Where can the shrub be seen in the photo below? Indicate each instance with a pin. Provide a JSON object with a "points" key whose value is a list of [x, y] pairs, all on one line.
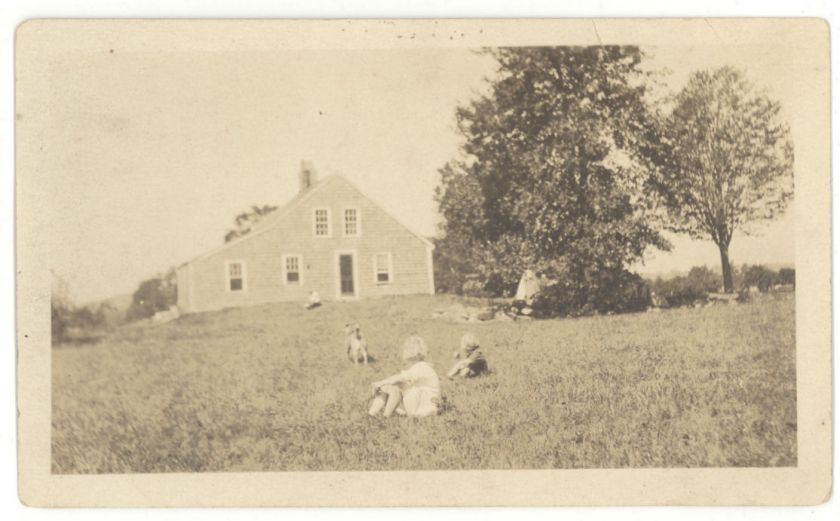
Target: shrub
{"points": [[761, 277], [153, 295], [601, 291], [688, 289], [703, 280], [787, 276]]}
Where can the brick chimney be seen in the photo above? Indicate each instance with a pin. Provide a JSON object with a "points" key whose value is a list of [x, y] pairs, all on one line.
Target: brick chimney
{"points": [[308, 177]]}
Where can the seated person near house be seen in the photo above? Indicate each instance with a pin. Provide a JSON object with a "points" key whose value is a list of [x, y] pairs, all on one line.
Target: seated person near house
{"points": [[314, 300]]}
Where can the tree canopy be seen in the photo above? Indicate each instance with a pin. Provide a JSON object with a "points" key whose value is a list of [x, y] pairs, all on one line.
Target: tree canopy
{"points": [[725, 160], [245, 221], [153, 295], [549, 177]]}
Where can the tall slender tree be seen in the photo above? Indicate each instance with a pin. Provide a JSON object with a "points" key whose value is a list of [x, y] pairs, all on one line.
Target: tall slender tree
{"points": [[725, 160]]}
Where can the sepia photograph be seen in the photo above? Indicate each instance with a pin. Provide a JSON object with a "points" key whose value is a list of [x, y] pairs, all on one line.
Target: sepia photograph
{"points": [[424, 246]]}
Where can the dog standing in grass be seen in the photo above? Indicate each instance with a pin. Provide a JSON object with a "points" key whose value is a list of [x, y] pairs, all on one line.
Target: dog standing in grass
{"points": [[472, 361], [355, 343]]}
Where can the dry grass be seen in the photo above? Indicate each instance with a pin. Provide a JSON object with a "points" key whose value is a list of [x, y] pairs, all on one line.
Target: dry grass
{"points": [[268, 388]]}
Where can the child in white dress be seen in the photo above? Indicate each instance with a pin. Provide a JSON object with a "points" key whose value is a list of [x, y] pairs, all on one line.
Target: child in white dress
{"points": [[413, 392]]}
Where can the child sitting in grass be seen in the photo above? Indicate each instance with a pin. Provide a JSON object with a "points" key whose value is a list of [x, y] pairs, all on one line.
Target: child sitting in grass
{"points": [[412, 392], [314, 300], [472, 361]]}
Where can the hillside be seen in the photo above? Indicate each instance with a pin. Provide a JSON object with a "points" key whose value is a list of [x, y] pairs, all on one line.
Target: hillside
{"points": [[269, 388]]}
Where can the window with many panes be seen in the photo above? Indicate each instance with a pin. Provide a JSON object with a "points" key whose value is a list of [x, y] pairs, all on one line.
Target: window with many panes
{"points": [[236, 276], [351, 222], [322, 222], [292, 269], [382, 268]]}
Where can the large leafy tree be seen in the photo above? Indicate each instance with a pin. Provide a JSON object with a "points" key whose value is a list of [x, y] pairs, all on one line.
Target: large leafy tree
{"points": [[726, 160], [549, 176]]}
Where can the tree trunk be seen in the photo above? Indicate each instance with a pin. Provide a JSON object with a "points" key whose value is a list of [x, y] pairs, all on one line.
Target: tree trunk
{"points": [[725, 268]]}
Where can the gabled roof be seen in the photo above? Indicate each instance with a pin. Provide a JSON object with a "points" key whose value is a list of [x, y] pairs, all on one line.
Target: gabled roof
{"points": [[379, 207], [275, 217]]}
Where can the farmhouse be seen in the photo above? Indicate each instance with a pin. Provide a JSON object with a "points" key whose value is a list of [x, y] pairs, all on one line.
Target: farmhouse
{"points": [[330, 238]]}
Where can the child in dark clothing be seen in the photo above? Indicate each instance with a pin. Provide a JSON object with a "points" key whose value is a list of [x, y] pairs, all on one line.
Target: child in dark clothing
{"points": [[472, 361]]}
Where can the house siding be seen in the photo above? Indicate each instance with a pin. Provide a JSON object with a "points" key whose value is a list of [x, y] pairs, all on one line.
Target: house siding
{"points": [[205, 288]]}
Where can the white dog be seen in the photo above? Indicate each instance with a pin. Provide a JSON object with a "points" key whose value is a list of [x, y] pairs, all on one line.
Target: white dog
{"points": [[355, 344]]}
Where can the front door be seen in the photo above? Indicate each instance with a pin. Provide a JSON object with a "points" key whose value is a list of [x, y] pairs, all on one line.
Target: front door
{"points": [[345, 271]]}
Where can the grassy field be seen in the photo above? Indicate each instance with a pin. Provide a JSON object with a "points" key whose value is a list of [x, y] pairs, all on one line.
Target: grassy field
{"points": [[268, 388]]}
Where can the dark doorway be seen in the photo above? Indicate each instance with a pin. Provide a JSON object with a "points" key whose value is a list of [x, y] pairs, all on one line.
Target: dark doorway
{"points": [[345, 268]]}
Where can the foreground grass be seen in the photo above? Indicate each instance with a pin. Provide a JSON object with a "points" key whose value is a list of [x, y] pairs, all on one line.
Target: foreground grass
{"points": [[268, 388]]}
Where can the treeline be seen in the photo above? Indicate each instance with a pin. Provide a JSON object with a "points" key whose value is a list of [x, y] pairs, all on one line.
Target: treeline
{"points": [[701, 281], [73, 323], [70, 322]]}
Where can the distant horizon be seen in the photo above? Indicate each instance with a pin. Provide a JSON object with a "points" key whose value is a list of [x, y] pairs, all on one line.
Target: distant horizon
{"points": [[644, 275]]}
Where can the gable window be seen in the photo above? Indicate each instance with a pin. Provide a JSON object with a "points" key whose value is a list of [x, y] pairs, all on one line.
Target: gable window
{"points": [[382, 269], [322, 222], [235, 275], [291, 269], [351, 222]]}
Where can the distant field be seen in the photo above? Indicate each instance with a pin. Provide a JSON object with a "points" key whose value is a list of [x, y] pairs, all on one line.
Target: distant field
{"points": [[268, 388]]}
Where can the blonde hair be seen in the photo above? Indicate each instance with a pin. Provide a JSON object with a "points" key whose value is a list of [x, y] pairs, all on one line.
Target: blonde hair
{"points": [[414, 349], [469, 342]]}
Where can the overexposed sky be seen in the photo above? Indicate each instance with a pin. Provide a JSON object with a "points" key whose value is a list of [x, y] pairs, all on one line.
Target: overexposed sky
{"points": [[193, 138]]}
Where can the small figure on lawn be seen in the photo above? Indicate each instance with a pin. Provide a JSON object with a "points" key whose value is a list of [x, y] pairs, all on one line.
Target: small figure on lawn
{"points": [[314, 300], [356, 344], [412, 392], [472, 361]]}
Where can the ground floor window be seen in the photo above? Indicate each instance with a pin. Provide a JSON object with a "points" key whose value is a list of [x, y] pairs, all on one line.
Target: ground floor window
{"points": [[291, 269], [382, 268], [235, 275]]}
